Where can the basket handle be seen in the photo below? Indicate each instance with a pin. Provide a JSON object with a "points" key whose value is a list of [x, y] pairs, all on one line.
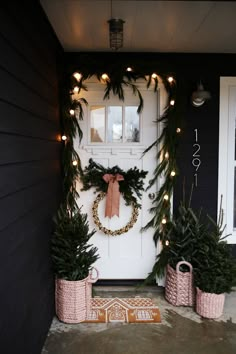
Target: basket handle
{"points": [[190, 278], [186, 263], [93, 280]]}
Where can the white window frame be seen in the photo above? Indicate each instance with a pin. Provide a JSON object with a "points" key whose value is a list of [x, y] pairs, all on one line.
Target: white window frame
{"points": [[226, 153], [123, 142]]}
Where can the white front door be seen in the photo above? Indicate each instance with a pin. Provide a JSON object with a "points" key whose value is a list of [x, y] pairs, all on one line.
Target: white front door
{"points": [[114, 134]]}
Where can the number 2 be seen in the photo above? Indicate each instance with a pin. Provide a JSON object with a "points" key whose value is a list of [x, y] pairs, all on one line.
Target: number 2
{"points": [[195, 154]]}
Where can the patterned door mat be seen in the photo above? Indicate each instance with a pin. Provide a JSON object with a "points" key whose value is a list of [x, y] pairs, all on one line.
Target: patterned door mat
{"points": [[129, 310]]}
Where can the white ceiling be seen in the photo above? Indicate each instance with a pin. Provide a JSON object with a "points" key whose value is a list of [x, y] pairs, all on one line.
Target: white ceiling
{"points": [[150, 26]]}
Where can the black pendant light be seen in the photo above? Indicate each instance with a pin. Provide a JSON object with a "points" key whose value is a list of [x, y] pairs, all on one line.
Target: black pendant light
{"points": [[115, 32]]}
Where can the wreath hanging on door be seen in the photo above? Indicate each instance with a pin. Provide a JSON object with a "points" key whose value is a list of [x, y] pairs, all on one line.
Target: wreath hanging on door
{"points": [[110, 183]]}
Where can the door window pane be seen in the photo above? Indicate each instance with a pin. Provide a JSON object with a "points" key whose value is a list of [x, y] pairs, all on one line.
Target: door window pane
{"points": [[234, 215], [235, 141], [132, 124], [234, 197], [97, 124], [114, 124]]}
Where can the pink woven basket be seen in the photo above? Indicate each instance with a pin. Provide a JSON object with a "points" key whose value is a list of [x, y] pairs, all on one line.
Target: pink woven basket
{"points": [[73, 298], [209, 305], [179, 290]]}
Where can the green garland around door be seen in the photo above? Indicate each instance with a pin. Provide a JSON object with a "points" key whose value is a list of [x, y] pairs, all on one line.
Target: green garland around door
{"points": [[115, 78]]}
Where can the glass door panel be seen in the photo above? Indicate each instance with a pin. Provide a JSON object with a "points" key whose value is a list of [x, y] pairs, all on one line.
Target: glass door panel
{"points": [[97, 124], [115, 124], [132, 124]]}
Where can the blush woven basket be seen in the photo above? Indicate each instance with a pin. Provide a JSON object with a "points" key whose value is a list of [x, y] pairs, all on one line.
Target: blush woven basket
{"points": [[179, 290], [209, 305], [73, 298]]}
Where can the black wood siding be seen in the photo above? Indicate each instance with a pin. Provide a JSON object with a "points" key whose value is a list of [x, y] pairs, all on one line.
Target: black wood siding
{"points": [[29, 174]]}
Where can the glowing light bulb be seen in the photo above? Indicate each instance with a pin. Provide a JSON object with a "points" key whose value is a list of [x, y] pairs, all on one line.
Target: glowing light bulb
{"points": [[105, 77], [78, 76], [166, 155], [167, 243], [170, 79], [72, 112], [129, 69], [154, 75], [172, 102], [164, 221], [172, 173], [64, 137], [178, 130], [166, 197], [75, 163], [76, 89]]}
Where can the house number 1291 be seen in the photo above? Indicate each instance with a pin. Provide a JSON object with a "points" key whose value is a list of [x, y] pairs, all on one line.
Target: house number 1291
{"points": [[196, 162]]}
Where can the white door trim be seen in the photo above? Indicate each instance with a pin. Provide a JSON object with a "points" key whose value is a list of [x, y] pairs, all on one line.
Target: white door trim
{"points": [[226, 152]]}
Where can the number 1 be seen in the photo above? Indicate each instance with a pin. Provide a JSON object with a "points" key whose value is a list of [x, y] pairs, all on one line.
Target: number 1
{"points": [[195, 179]]}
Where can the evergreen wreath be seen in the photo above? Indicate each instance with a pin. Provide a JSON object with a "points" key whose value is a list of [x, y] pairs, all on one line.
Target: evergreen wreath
{"points": [[106, 231], [131, 189]]}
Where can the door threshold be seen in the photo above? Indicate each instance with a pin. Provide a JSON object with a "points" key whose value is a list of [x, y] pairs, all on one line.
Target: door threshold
{"points": [[125, 286], [120, 282]]}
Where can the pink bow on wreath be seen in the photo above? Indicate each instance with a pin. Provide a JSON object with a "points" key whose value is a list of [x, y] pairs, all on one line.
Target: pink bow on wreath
{"points": [[113, 194]]}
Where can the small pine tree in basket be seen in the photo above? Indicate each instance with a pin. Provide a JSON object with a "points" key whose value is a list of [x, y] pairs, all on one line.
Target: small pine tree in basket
{"points": [[72, 259], [214, 265], [214, 270], [179, 252], [181, 236], [72, 256]]}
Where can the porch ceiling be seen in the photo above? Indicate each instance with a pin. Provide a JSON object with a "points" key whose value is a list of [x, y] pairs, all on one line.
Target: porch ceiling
{"points": [[150, 26]]}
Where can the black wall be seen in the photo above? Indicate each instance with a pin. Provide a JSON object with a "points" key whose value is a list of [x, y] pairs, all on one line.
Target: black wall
{"points": [[29, 174], [188, 69]]}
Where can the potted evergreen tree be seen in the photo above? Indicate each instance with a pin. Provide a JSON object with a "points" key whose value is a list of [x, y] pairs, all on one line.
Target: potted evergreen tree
{"points": [[198, 240], [72, 259], [179, 249], [179, 252], [72, 256], [214, 270]]}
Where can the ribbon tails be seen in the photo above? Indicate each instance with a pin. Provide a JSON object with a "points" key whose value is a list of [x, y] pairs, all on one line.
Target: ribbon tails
{"points": [[113, 194]]}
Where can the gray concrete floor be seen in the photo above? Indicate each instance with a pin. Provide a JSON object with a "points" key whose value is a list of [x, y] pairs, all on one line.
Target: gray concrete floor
{"points": [[181, 331]]}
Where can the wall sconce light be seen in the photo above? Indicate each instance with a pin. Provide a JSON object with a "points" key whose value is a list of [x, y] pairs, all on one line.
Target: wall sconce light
{"points": [[116, 33], [200, 96]]}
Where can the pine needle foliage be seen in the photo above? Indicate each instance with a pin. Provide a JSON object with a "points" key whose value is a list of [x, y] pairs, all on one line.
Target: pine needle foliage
{"points": [[131, 187], [198, 239], [71, 129], [215, 269], [167, 149], [72, 256], [214, 265], [182, 235]]}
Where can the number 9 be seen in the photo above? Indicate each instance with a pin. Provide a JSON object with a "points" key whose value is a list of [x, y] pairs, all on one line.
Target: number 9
{"points": [[196, 163]]}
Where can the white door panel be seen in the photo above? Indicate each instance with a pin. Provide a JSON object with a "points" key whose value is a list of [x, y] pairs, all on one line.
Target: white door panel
{"points": [[131, 255]]}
